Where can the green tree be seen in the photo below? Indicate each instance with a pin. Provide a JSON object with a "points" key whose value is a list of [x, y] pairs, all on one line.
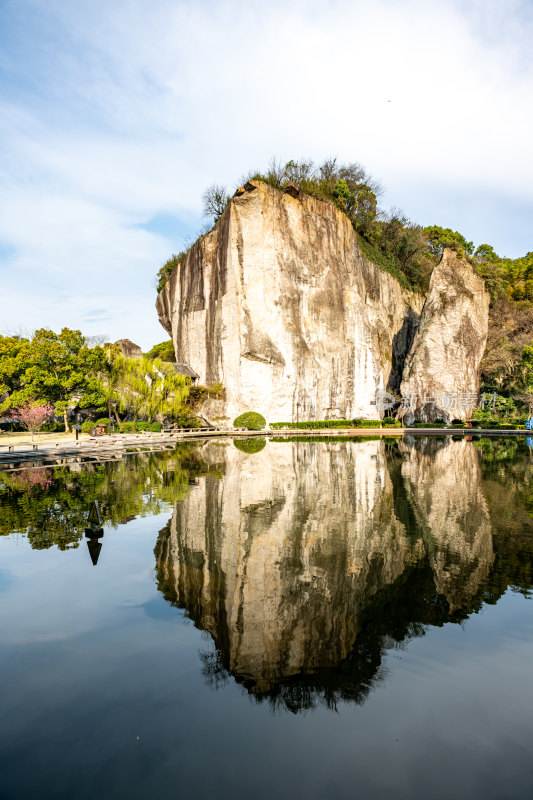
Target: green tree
{"points": [[58, 368], [14, 358], [163, 350], [438, 238], [144, 388]]}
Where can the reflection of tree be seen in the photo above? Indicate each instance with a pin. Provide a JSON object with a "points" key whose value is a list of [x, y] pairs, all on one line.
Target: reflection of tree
{"points": [[507, 470], [51, 504], [30, 479]]}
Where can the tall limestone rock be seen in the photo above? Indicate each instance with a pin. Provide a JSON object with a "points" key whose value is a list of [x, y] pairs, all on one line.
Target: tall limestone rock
{"points": [[278, 304], [441, 374]]}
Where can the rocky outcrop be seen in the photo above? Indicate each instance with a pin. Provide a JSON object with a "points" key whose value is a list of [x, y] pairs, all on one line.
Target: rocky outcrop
{"points": [[278, 304], [441, 375], [129, 349]]}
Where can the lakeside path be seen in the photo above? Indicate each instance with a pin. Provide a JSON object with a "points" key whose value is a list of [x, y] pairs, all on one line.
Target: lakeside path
{"points": [[16, 454]]}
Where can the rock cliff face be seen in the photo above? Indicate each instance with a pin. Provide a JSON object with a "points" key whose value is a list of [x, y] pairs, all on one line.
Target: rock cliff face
{"points": [[278, 304], [129, 349], [442, 368]]}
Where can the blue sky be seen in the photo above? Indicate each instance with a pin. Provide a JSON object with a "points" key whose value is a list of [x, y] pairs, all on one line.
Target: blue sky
{"points": [[115, 116]]}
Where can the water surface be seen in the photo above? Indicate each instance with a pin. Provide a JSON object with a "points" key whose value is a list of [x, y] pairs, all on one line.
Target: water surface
{"points": [[290, 619]]}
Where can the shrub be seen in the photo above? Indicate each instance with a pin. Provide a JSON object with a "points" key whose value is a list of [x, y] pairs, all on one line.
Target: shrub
{"points": [[250, 445], [163, 350], [88, 424], [250, 420], [457, 422], [128, 427], [53, 427], [168, 268]]}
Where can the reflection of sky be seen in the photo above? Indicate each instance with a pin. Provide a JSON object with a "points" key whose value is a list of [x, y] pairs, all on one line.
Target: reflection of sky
{"points": [[101, 678]]}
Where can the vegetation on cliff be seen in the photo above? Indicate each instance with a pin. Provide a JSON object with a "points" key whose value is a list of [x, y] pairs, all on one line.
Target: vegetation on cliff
{"points": [[163, 350], [409, 252], [168, 268], [390, 239]]}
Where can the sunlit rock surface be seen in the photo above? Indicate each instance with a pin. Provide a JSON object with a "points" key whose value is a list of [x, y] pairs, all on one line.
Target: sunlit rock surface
{"points": [[281, 558], [446, 352], [443, 481], [129, 349], [278, 304]]}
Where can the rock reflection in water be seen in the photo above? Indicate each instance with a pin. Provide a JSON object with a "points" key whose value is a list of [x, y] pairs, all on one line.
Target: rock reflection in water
{"points": [[306, 561], [442, 480]]}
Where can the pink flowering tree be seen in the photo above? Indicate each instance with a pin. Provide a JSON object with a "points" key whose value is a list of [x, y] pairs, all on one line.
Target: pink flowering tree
{"points": [[32, 416]]}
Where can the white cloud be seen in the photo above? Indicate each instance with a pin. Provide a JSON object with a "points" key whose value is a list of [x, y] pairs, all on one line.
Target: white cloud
{"points": [[114, 113]]}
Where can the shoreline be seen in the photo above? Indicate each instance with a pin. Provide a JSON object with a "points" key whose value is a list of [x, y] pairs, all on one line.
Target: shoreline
{"points": [[110, 447]]}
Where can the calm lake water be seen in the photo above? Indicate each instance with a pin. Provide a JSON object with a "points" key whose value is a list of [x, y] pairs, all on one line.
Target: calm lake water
{"points": [[281, 619]]}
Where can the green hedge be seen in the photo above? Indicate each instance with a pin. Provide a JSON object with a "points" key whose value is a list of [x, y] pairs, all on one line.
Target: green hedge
{"points": [[139, 426], [330, 423], [88, 425], [250, 420], [125, 427], [53, 427]]}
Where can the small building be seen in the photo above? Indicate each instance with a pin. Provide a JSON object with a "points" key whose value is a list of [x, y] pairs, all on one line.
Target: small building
{"points": [[184, 369]]}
